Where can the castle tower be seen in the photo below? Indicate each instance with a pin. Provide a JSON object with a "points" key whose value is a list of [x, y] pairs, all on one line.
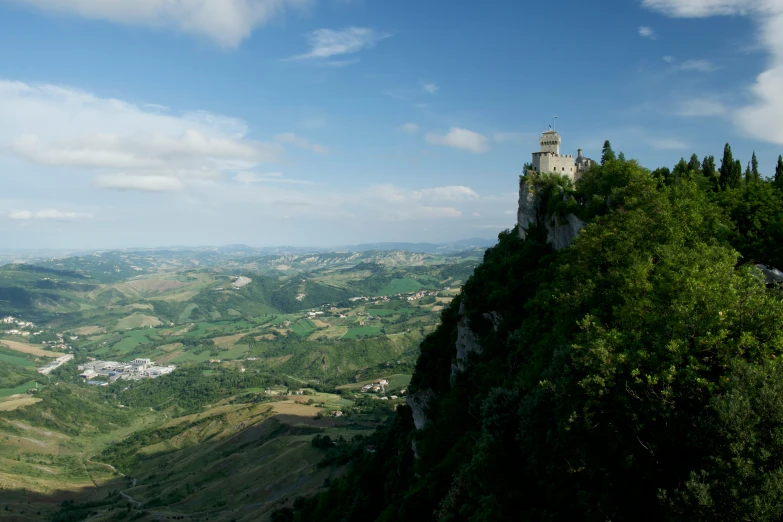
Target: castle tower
{"points": [[550, 142]]}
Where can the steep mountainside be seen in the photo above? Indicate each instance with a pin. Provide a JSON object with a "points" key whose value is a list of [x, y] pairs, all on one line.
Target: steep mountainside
{"points": [[614, 358]]}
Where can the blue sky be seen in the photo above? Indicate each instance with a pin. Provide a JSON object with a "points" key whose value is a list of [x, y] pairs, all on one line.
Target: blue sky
{"points": [[314, 122]]}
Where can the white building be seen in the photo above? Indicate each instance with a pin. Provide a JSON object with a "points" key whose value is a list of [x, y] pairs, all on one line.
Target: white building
{"points": [[141, 364], [548, 158], [50, 367]]}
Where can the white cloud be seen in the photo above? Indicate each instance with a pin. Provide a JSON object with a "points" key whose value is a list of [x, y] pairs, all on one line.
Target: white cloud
{"points": [[268, 177], [460, 139], [53, 214], [669, 59], [697, 66], [647, 32], [336, 64], [64, 127], [430, 88], [329, 42], [408, 128], [138, 183], [227, 22], [701, 107], [256, 177], [303, 143], [449, 193], [701, 8], [763, 119]]}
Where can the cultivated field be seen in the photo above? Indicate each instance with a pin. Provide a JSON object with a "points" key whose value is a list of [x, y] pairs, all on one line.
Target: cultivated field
{"points": [[14, 403], [32, 349]]}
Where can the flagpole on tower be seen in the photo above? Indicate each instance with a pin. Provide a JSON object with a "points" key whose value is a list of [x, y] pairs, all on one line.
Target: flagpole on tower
{"points": [[554, 124]]}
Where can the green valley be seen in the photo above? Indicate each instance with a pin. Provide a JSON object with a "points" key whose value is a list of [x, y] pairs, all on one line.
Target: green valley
{"points": [[266, 355]]}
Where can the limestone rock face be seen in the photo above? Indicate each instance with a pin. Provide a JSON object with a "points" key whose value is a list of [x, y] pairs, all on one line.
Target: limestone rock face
{"points": [[466, 342], [419, 402], [562, 232], [494, 318], [527, 212]]}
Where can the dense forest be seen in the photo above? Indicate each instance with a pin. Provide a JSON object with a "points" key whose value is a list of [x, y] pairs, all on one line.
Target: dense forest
{"points": [[634, 375]]}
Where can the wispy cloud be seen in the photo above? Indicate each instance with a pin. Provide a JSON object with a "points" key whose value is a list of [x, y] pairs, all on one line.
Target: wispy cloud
{"points": [[704, 66], [53, 214], [227, 22], [130, 147], [763, 119], [325, 43], [703, 8], [702, 107], [458, 138], [430, 88], [139, 183], [647, 32], [408, 128], [449, 193], [290, 137], [268, 177]]}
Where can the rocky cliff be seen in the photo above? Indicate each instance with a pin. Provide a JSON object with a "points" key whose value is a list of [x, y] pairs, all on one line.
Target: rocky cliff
{"points": [[561, 230]]}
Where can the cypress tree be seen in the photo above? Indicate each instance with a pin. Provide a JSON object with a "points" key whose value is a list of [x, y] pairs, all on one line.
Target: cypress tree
{"points": [[748, 174], [754, 167], [694, 163], [779, 171], [726, 166], [607, 154], [708, 168], [680, 169], [621, 156], [736, 174]]}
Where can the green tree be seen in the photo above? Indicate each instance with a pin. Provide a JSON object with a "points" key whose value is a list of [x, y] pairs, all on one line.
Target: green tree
{"points": [[694, 164], [736, 174], [779, 171], [680, 170], [607, 154], [748, 174], [726, 167], [621, 156], [754, 167], [708, 171]]}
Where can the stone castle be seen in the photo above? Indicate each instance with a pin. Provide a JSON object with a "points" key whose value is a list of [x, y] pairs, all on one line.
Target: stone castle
{"points": [[549, 159]]}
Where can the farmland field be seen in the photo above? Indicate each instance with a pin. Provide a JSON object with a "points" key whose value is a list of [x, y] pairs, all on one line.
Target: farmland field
{"points": [[397, 286], [137, 320], [385, 312], [353, 333], [135, 338], [303, 327], [7, 392], [15, 404], [13, 359], [32, 349]]}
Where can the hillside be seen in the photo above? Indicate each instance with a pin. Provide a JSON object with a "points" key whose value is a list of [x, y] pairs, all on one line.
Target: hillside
{"points": [[615, 357], [261, 357]]}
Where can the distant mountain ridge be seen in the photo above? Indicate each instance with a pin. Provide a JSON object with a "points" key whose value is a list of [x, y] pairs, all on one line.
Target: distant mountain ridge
{"points": [[245, 250]]}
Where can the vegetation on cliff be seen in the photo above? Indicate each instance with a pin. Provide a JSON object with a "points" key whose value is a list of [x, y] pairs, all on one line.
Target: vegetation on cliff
{"points": [[632, 376]]}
